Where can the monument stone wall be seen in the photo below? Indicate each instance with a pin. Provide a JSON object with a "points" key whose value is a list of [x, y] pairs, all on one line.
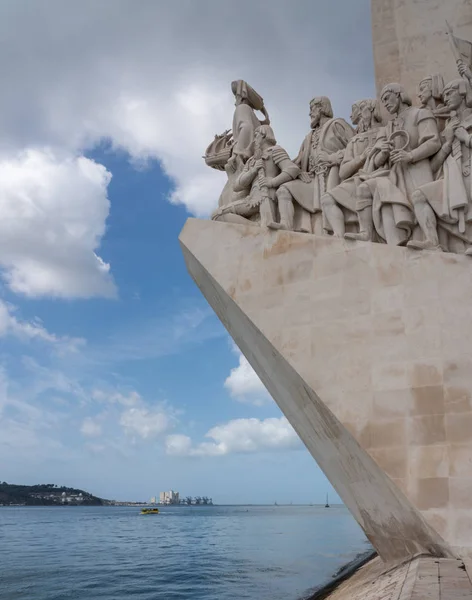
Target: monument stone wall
{"points": [[344, 276], [366, 348], [409, 39]]}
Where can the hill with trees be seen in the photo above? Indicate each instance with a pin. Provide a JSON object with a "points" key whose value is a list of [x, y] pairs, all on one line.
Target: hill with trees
{"points": [[45, 494]]}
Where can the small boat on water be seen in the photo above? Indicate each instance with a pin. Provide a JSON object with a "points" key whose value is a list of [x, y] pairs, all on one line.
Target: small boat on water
{"points": [[327, 503], [149, 511]]}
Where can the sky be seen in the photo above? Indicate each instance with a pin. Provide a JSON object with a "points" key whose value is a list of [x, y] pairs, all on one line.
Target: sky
{"points": [[115, 375]]}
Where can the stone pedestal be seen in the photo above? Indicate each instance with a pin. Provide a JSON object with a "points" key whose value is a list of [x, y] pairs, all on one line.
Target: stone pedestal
{"points": [[367, 349], [410, 40]]}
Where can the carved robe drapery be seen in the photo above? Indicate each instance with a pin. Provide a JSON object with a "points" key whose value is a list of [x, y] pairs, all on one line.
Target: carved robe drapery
{"points": [[332, 137], [245, 123], [452, 193], [394, 184], [345, 192], [247, 202]]}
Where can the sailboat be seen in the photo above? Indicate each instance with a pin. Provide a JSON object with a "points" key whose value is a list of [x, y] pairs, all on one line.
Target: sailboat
{"points": [[327, 503]]}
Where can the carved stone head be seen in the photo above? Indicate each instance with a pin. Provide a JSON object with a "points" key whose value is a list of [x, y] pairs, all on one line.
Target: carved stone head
{"points": [[430, 90], [356, 113], [393, 97], [243, 92], [320, 107], [264, 136], [366, 114], [455, 94]]}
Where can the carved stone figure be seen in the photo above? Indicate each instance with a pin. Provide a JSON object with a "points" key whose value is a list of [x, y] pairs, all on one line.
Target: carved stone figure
{"points": [[230, 150], [340, 203], [245, 122], [255, 187], [445, 203], [319, 158], [399, 161], [430, 91]]}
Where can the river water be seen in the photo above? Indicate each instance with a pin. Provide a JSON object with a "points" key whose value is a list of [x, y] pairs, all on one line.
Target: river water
{"points": [[184, 553]]}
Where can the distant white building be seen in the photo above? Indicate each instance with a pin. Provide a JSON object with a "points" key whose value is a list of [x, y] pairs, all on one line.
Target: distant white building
{"points": [[169, 497], [153, 500]]}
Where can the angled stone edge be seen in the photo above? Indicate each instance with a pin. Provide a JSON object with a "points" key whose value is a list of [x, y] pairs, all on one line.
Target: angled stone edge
{"points": [[393, 525]]}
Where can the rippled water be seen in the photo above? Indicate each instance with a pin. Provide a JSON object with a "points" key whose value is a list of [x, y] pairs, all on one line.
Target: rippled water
{"points": [[185, 553]]}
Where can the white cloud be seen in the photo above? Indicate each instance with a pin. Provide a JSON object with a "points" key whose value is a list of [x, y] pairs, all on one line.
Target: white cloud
{"points": [[238, 435], [145, 423], [245, 386], [34, 330], [178, 445], [27, 432], [90, 428], [131, 398], [52, 217], [155, 81]]}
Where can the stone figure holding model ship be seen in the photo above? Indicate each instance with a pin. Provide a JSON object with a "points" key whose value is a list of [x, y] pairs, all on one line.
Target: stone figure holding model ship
{"points": [[230, 150]]}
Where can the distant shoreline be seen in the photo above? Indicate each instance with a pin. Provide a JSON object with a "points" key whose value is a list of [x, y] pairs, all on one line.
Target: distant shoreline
{"points": [[145, 504]]}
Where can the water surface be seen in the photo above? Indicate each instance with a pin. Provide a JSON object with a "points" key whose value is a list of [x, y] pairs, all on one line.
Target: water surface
{"points": [[184, 553]]}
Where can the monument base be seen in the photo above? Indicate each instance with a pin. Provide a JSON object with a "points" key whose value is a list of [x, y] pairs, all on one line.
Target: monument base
{"points": [[422, 577], [366, 349]]}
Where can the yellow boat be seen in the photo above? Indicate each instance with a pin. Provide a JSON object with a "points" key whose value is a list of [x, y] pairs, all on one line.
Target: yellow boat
{"points": [[150, 511]]}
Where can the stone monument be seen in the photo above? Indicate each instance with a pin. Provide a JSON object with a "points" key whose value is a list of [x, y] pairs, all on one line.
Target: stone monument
{"points": [[345, 278]]}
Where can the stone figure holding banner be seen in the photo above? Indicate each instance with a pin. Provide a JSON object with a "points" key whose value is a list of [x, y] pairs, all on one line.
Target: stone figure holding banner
{"points": [[443, 207], [319, 159]]}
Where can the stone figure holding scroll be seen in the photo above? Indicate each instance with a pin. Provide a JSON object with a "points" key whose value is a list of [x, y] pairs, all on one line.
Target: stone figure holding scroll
{"points": [[340, 204], [319, 159], [267, 169], [399, 161], [443, 207]]}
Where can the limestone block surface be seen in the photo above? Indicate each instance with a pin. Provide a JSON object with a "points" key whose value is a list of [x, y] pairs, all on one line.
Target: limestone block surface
{"points": [[410, 42], [367, 349]]}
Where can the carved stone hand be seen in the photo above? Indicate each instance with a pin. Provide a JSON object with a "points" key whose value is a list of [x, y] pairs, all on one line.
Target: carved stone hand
{"points": [[305, 177], [259, 164], [462, 135], [464, 70], [400, 156], [449, 133]]}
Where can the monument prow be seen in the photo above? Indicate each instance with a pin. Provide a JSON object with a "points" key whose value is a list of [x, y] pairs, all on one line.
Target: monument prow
{"points": [[344, 276], [371, 379]]}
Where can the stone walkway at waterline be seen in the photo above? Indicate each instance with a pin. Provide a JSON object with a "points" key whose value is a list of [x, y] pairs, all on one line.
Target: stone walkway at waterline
{"points": [[423, 578]]}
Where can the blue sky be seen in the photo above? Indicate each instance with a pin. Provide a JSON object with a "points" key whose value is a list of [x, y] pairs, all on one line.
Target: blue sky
{"points": [[116, 377]]}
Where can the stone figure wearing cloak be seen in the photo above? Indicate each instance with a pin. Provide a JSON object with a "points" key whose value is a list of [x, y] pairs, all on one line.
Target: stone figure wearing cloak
{"points": [[267, 169], [340, 203], [245, 122], [319, 158], [430, 92], [443, 207], [397, 166]]}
